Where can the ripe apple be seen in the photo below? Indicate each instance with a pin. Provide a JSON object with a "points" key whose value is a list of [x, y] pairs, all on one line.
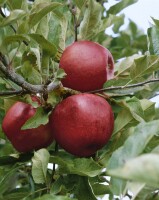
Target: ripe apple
{"points": [[25, 140], [88, 66], [82, 124]]}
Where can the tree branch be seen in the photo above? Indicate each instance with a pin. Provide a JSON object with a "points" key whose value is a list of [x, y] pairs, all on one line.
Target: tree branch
{"points": [[13, 92], [20, 81], [73, 11], [124, 87]]}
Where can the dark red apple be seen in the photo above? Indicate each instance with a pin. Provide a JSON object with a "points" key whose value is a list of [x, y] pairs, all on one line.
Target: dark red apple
{"points": [[88, 66], [82, 124], [25, 140]]}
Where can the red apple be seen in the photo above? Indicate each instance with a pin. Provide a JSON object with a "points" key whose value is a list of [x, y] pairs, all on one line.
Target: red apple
{"points": [[82, 124], [88, 66], [25, 140]]}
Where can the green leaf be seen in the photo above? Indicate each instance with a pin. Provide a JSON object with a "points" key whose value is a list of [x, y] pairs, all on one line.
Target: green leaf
{"points": [[156, 21], [46, 46], [13, 17], [16, 194], [143, 66], [30, 68], [64, 184], [79, 166], [120, 6], [53, 197], [147, 193], [123, 119], [60, 74], [17, 4], [148, 108], [134, 106], [144, 169], [101, 189], [40, 162], [12, 39], [135, 188], [156, 149], [153, 36], [132, 110], [114, 20], [36, 52], [91, 21], [133, 146], [122, 67], [7, 178], [40, 10], [2, 2], [79, 3], [118, 22], [40, 117], [84, 190], [42, 27], [62, 28]]}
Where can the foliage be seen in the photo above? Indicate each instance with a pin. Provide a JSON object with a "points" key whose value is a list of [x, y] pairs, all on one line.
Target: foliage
{"points": [[33, 35]]}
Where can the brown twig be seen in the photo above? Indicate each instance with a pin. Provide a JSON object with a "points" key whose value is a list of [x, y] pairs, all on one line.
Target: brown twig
{"points": [[75, 22], [124, 87], [13, 92], [20, 81]]}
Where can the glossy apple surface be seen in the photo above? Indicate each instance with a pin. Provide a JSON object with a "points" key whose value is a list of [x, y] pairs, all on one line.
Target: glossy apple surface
{"points": [[82, 124], [25, 140], [88, 66]]}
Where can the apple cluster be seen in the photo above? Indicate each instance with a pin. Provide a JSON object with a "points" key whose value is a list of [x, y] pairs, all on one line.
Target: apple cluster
{"points": [[82, 123]]}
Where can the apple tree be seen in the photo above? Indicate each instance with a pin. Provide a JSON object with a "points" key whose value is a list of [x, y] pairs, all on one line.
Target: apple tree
{"points": [[39, 132]]}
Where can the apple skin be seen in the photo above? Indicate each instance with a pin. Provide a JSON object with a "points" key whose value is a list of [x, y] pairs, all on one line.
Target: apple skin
{"points": [[82, 124], [88, 66], [25, 140]]}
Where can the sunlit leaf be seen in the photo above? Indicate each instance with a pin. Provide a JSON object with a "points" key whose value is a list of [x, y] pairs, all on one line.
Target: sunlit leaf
{"points": [[91, 21], [79, 166], [124, 65], [153, 35], [144, 168], [39, 168], [40, 11], [143, 66], [133, 146], [40, 117]]}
